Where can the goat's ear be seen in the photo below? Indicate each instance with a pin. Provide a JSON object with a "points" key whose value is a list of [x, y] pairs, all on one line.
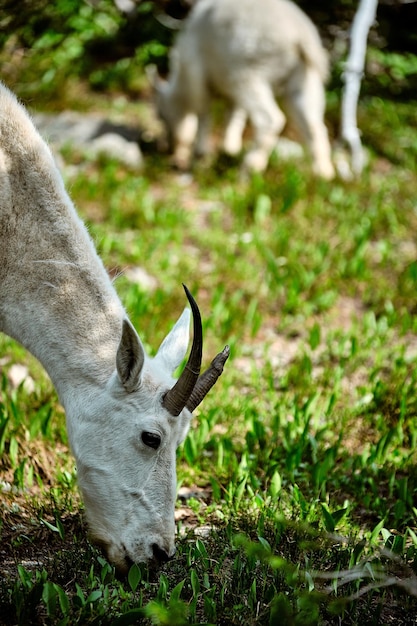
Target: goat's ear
{"points": [[174, 347], [130, 358]]}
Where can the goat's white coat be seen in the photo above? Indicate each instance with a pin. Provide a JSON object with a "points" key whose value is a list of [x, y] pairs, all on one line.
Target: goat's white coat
{"points": [[250, 52], [58, 301]]}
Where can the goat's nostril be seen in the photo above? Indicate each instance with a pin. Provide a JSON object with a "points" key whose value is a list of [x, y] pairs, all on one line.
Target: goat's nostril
{"points": [[160, 554]]}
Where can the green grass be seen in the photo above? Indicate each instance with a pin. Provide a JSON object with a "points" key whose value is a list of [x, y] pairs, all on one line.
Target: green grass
{"points": [[304, 451]]}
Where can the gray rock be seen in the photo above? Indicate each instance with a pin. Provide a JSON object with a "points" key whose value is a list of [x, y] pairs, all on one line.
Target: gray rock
{"points": [[93, 134]]}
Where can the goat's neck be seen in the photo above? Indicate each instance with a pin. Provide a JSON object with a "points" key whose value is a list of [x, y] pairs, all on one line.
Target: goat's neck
{"points": [[56, 298]]}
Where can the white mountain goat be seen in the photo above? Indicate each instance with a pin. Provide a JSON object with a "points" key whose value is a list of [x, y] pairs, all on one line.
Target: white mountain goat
{"points": [[250, 52], [125, 413]]}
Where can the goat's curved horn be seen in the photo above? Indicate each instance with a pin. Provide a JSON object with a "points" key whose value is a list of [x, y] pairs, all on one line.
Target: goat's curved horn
{"points": [[207, 379], [177, 397]]}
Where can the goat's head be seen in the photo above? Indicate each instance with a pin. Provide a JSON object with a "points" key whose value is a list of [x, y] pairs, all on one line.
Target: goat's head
{"points": [[126, 447], [180, 124]]}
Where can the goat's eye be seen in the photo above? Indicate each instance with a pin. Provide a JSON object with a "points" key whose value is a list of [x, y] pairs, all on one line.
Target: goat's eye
{"points": [[152, 440]]}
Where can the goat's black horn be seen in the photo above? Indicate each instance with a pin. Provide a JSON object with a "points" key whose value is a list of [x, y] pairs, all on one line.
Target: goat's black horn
{"points": [[178, 396]]}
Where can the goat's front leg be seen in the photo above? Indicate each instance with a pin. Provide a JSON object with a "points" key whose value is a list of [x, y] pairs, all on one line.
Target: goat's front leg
{"points": [[232, 142], [202, 144], [185, 136]]}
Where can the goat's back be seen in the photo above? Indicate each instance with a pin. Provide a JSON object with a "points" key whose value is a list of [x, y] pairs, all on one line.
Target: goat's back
{"points": [[234, 37]]}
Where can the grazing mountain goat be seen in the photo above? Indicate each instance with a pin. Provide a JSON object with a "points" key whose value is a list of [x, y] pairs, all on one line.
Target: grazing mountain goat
{"points": [[250, 52], [125, 413]]}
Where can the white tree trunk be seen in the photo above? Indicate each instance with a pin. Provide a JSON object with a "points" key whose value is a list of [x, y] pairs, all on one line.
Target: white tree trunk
{"points": [[362, 22]]}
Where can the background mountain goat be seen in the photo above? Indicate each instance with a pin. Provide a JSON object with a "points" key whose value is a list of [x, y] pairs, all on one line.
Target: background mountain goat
{"points": [[250, 52]]}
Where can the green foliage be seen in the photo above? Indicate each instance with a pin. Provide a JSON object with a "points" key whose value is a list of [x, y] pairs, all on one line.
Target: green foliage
{"points": [[393, 72], [69, 39]]}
